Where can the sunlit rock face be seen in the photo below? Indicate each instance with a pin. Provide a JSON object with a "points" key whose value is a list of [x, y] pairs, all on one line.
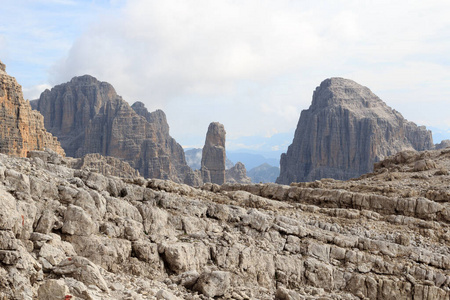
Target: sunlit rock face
{"points": [[21, 128], [345, 130]]}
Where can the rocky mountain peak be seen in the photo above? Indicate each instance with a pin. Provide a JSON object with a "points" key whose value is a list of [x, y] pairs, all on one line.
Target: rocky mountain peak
{"points": [[345, 130], [88, 116], [346, 94]]}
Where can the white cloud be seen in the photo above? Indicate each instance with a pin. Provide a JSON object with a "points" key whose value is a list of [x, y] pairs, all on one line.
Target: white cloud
{"points": [[32, 93], [253, 64], [193, 47]]}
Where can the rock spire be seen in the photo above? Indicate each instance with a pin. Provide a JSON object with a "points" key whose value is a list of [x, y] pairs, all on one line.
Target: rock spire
{"points": [[213, 155], [345, 130]]}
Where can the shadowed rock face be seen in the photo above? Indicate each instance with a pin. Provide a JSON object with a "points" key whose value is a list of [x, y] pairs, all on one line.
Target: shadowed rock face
{"points": [[21, 128], [89, 117], [346, 129], [213, 156]]}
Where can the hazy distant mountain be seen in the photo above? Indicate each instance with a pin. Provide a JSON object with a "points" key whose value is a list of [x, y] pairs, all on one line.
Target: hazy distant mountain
{"points": [[251, 160], [264, 173], [269, 147]]}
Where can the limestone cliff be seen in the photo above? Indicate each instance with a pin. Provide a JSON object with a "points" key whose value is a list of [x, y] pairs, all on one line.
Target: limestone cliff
{"points": [[345, 130], [88, 116], [213, 154], [21, 128]]}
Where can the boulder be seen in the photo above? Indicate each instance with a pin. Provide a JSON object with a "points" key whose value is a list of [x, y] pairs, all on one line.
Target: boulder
{"points": [[213, 284]]}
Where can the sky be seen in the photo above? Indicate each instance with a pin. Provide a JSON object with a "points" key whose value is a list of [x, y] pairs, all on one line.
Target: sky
{"points": [[251, 65]]}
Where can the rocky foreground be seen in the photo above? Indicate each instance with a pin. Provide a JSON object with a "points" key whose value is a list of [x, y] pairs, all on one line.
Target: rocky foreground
{"points": [[77, 234]]}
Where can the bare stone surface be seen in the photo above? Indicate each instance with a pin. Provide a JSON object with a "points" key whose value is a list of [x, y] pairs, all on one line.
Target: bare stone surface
{"points": [[53, 290], [344, 132], [105, 165], [87, 235], [213, 154], [21, 128]]}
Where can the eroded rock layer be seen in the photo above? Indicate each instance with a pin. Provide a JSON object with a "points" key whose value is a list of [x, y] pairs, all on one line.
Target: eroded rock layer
{"points": [[21, 128], [345, 130], [82, 234], [88, 116]]}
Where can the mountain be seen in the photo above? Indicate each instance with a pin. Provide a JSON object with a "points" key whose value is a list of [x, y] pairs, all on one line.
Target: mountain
{"points": [[345, 130], [88, 116], [264, 173], [21, 129]]}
